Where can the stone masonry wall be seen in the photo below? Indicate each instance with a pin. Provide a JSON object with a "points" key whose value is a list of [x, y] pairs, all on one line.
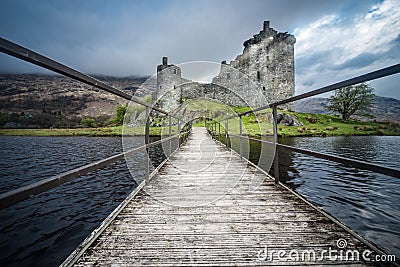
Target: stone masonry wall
{"points": [[262, 74], [169, 77]]}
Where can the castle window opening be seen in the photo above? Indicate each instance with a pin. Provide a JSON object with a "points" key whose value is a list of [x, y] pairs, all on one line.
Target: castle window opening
{"points": [[258, 75], [174, 71], [228, 75]]}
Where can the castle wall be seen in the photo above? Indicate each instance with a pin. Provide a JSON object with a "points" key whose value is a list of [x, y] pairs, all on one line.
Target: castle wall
{"points": [[268, 59], [169, 77], [262, 74], [194, 90]]}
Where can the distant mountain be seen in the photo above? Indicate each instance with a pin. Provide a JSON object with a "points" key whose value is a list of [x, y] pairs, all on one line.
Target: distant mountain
{"points": [[30, 100], [384, 108], [312, 105]]}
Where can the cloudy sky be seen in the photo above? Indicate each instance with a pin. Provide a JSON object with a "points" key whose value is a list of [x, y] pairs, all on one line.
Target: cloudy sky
{"points": [[335, 39]]}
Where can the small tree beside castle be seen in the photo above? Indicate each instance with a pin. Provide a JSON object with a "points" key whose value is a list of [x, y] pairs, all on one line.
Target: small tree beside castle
{"points": [[352, 100]]}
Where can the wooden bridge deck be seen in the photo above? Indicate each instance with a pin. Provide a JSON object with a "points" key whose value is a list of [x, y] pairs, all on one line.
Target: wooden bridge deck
{"points": [[203, 208]]}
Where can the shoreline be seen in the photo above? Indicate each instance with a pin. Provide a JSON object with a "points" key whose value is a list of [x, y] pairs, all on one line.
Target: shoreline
{"points": [[255, 125], [289, 131]]}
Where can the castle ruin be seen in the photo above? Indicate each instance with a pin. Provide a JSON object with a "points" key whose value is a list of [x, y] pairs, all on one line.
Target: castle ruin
{"points": [[262, 74]]}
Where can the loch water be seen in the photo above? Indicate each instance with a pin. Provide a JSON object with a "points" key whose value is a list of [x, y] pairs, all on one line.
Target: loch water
{"points": [[366, 201], [45, 229]]}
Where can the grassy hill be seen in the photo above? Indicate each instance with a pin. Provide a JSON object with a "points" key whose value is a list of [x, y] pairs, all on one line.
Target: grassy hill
{"points": [[330, 125], [313, 125]]}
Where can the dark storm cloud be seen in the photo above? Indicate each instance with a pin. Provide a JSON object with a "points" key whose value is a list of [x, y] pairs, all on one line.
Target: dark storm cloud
{"points": [[130, 37], [359, 61]]}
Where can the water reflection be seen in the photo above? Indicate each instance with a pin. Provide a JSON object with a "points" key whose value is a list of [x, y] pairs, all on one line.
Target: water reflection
{"points": [[287, 169], [368, 202], [43, 230]]}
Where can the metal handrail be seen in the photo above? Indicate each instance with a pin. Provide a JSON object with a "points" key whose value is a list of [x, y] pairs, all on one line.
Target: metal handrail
{"points": [[353, 162], [394, 69], [28, 55], [17, 195], [25, 54], [9, 198]]}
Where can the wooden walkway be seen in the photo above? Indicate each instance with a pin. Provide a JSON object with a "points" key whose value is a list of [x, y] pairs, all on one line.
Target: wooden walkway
{"points": [[202, 208]]}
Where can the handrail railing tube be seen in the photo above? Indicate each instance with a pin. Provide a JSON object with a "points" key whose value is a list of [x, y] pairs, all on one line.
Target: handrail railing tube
{"points": [[170, 133], [227, 143], [353, 81], [353, 162], [240, 134], [25, 54], [276, 163], [146, 141], [394, 69], [179, 132], [17, 195], [360, 79], [356, 80], [35, 58]]}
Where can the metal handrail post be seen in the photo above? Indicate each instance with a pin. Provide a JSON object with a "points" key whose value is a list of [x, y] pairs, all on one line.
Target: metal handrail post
{"points": [[276, 163], [240, 134], [226, 133], [146, 141], [179, 133], [169, 134], [185, 131]]}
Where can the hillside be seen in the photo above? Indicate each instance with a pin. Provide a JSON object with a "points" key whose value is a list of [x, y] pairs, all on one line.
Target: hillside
{"points": [[384, 108], [43, 101], [55, 101]]}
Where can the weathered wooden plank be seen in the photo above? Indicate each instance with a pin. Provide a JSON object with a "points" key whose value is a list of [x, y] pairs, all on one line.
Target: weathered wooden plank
{"points": [[220, 218], [208, 207], [189, 256], [150, 209]]}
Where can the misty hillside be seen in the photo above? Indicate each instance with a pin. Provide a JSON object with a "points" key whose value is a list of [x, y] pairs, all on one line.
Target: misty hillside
{"points": [[384, 108], [50, 100]]}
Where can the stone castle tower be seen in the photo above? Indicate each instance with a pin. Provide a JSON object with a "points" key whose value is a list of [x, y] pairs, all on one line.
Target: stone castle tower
{"points": [[169, 79], [267, 60]]}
